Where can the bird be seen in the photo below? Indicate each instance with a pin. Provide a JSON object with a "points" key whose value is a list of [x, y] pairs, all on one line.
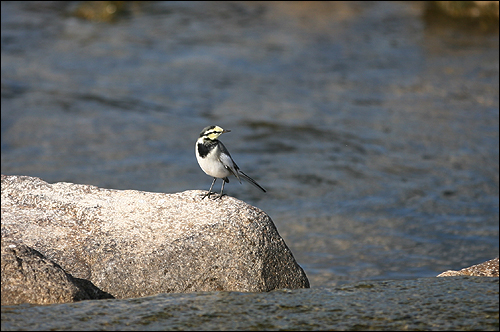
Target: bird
{"points": [[215, 160]]}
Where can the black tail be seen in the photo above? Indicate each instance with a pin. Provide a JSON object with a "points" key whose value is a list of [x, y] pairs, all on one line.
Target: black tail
{"points": [[250, 180]]}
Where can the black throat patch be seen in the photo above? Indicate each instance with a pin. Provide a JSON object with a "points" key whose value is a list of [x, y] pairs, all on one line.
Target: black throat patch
{"points": [[204, 149]]}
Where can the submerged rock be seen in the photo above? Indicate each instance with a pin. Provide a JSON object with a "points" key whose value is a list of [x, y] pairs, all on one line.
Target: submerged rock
{"points": [[132, 243]]}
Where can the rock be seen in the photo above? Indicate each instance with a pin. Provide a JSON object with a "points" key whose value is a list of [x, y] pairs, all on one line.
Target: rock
{"points": [[102, 11], [486, 269], [466, 9], [29, 277], [131, 243]]}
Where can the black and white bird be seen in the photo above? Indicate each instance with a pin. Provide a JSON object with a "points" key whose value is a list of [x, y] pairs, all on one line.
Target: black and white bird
{"points": [[215, 160]]}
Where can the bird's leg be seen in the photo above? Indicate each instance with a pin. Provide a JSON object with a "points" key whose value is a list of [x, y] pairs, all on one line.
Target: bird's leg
{"points": [[210, 190], [222, 189]]}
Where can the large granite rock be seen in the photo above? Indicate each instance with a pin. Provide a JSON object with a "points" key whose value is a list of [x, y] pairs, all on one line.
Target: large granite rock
{"points": [[131, 243]]}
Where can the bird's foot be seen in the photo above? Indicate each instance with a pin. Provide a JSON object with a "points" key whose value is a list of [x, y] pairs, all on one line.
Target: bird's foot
{"points": [[207, 194], [219, 196], [216, 196]]}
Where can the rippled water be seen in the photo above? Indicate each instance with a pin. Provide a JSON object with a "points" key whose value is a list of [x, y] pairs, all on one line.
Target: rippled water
{"points": [[374, 131], [437, 304]]}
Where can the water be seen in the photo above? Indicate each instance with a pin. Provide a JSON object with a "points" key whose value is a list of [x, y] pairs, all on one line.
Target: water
{"points": [[374, 130], [446, 304]]}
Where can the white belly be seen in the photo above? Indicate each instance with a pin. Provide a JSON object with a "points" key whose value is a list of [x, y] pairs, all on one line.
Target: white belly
{"points": [[212, 166]]}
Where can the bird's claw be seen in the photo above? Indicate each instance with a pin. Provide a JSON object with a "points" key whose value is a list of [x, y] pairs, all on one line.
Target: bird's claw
{"points": [[217, 196]]}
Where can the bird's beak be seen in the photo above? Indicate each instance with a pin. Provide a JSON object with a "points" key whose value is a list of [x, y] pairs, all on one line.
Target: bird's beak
{"points": [[226, 131]]}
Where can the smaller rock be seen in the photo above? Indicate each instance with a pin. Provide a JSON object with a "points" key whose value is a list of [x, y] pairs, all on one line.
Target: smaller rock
{"points": [[29, 277], [466, 9], [486, 269]]}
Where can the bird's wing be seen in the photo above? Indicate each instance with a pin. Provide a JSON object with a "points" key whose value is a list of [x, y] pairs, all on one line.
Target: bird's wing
{"points": [[229, 164]]}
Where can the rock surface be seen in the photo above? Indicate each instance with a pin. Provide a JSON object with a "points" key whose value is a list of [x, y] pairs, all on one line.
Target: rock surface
{"points": [[132, 243], [29, 277], [486, 269]]}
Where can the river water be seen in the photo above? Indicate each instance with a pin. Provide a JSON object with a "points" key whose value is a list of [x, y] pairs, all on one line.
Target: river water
{"points": [[373, 128], [426, 304]]}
